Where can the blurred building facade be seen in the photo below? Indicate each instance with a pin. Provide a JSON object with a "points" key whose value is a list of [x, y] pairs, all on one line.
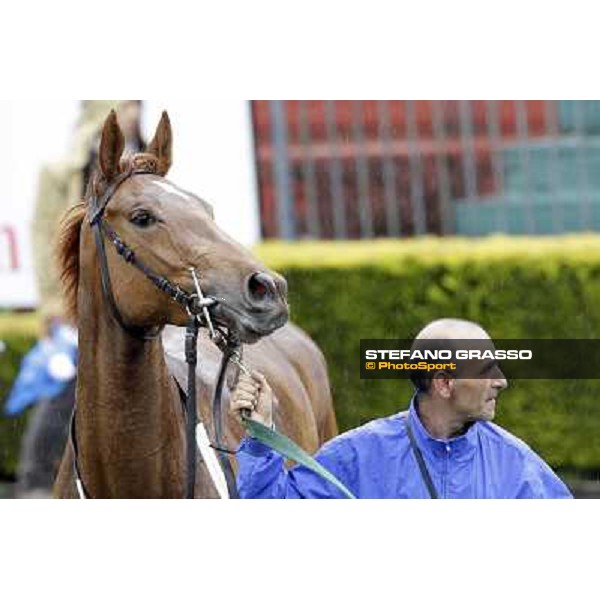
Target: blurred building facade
{"points": [[362, 169]]}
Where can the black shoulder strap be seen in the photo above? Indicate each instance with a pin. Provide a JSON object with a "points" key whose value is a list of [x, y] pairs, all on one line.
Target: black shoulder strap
{"points": [[420, 461]]}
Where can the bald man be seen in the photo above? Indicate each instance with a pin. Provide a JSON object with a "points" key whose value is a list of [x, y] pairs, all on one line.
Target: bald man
{"points": [[444, 446]]}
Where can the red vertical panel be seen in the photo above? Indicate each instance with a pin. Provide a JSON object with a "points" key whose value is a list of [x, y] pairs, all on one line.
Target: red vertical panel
{"points": [[452, 151], [262, 144]]}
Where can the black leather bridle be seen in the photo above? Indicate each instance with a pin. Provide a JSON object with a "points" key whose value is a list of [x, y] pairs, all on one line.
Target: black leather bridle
{"points": [[103, 230], [195, 304]]}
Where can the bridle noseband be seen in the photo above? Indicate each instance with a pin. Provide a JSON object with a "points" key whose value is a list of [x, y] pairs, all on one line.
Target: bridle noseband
{"points": [[197, 307]]}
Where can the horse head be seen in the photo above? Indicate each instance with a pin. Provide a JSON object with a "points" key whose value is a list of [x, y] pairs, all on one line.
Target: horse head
{"points": [[173, 231]]}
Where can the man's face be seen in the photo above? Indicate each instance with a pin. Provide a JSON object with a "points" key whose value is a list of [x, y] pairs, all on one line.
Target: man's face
{"points": [[475, 399]]}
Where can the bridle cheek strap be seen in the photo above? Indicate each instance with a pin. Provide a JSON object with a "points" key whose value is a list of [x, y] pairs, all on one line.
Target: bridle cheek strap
{"points": [[190, 302], [137, 332]]}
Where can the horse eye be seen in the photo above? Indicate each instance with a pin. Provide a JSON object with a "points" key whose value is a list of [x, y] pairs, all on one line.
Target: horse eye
{"points": [[143, 219]]}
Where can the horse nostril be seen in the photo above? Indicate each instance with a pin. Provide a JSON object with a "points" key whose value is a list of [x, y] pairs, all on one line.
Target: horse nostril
{"points": [[261, 287]]}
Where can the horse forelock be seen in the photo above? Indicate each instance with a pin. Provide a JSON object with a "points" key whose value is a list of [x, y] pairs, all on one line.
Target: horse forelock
{"points": [[141, 161]]}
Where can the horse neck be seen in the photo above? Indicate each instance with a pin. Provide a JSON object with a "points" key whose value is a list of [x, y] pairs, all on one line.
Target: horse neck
{"points": [[129, 421]]}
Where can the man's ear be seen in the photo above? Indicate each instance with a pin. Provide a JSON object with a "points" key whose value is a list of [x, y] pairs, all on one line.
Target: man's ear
{"points": [[161, 145], [111, 147], [443, 384]]}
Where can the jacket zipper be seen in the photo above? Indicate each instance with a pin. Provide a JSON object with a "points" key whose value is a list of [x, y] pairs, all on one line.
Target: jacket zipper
{"points": [[445, 472]]}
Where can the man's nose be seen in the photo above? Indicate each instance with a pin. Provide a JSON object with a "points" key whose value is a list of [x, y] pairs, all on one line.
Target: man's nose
{"points": [[501, 382]]}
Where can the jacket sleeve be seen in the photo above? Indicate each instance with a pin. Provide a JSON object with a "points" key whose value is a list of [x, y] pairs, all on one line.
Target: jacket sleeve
{"points": [[539, 480], [262, 473]]}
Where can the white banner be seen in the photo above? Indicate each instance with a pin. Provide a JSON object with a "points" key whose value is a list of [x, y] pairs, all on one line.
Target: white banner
{"points": [[17, 287], [29, 138]]}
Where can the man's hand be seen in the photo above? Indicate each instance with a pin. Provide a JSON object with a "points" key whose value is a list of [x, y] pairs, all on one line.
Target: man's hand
{"points": [[253, 394]]}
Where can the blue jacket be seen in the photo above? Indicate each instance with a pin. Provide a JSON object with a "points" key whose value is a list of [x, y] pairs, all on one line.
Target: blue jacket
{"points": [[376, 461], [37, 380]]}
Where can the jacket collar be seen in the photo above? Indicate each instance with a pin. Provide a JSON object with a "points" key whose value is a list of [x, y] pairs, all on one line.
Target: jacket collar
{"points": [[461, 447]]}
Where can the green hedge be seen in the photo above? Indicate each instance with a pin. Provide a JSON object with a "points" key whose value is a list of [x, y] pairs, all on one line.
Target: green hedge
{"points": [[515, 287], [18, 331], [342, 292]]}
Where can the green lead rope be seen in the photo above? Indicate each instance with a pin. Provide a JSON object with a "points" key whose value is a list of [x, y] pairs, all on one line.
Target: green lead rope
{"points": [[289, 449]]}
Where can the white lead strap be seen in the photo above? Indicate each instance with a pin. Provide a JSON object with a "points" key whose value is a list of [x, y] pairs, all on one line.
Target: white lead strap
{"points": [[212, 462], [80, 491]]}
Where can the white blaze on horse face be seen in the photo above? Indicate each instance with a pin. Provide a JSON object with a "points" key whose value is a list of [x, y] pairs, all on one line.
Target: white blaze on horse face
{"points": [[169, 187]]}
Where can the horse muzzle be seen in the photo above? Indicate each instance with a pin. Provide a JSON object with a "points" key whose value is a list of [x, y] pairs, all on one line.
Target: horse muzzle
{"points": [[262, 310]]}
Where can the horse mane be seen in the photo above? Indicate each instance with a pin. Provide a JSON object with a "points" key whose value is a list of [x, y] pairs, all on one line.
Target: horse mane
{"points": [[67, 249], [67, 254]]}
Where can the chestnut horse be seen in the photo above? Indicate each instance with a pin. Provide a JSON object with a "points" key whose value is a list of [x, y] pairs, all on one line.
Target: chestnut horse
{"points": [[129, 423]]}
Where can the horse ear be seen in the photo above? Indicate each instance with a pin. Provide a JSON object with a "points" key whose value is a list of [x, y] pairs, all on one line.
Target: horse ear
{"points": [[161, 144], [111, 146]]}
